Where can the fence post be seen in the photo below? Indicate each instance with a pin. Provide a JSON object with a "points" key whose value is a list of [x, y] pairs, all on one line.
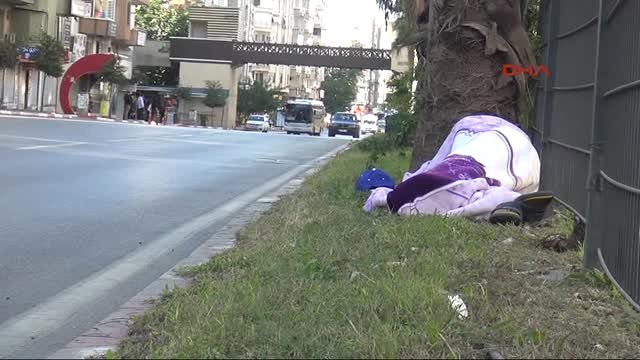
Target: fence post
{"points": [[552, 44], [593, 232]]}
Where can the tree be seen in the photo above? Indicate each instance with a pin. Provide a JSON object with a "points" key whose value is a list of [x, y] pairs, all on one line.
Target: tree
{"points": [[216, 95], [157, 75], [183, 93], [463, 45], [161, 22], [112, 73], [8, 60], [256, 98], [340, 89], [49, 57], [400, 97]]}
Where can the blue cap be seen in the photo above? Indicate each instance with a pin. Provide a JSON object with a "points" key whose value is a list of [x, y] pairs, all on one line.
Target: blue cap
{"points": [[374, 178]]}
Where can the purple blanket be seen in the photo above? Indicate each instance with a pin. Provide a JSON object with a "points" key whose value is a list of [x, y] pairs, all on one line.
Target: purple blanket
{"points": [[451, 169], [483, 162]]}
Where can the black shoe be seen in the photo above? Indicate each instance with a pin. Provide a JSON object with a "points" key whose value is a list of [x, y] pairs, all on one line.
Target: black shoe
{"points": [[506, 213], [534, 205], [527, 208]]}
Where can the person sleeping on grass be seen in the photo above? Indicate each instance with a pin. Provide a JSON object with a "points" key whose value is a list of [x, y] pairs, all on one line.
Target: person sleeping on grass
{"points": [[485, 161]]}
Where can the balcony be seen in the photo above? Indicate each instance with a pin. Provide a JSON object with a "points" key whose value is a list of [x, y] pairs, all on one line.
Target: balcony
{"points": [[261, 68], [138, 38], [97, 27], [131, 37]]}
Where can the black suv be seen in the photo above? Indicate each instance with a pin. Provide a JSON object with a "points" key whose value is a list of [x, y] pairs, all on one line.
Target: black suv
{"points": [[344, 123]]}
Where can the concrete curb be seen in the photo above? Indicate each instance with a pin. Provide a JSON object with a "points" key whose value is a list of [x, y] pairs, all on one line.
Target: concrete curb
{"points": [[108, 333]]}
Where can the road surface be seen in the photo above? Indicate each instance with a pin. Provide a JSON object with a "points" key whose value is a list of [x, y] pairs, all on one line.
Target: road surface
{"points": [[79, 197]]}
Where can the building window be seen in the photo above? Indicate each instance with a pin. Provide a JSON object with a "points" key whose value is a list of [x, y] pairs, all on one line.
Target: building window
{"points": [[104, 9], [199, 29], [260, 77]]}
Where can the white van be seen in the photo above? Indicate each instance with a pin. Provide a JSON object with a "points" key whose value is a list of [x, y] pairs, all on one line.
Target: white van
{"points": [[369, 124]]}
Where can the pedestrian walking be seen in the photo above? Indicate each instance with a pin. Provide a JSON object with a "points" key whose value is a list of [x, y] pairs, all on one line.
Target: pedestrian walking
{"points": [[150, 113], [140, 112], [159, 103], [127, 106]]}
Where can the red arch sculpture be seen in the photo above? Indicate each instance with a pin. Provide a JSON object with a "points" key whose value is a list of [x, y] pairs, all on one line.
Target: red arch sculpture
{"points": [[89, 64]]}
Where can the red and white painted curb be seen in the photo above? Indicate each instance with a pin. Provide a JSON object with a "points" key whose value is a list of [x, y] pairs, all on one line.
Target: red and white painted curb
{"points": [[56, 116], [52, 115]]}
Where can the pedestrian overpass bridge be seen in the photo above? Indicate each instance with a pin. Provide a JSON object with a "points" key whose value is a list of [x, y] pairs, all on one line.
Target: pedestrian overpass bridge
{"points": [[239, 53], [202, 60]]}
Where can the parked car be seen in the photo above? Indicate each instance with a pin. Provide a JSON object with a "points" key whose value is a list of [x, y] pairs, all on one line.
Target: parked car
{"points": [[369, 124], [344, 123], [258, 123]]}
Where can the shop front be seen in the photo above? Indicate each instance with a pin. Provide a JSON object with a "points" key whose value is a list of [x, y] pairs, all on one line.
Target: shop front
{"points": [[27, 79], [80, 90]]}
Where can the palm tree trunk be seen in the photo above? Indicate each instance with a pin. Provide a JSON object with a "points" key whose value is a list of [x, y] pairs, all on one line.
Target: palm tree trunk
{"points": [[468, 42]]}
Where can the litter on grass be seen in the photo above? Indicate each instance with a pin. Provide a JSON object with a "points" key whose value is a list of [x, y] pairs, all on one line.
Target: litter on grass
{"points": [[459, 306]]}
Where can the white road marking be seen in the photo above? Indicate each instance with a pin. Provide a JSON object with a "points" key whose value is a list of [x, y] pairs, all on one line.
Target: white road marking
{"points": [[36, 138], [50, 146], [192, 141], [129, 139], [164, 137], [49, 316]]}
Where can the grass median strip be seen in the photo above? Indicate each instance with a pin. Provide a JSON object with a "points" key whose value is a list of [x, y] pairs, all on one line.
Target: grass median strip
{"points": [[316, 277]]}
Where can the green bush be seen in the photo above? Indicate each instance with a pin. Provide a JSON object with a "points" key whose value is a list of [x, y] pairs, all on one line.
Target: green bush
{"points": [[400, 131], [376, 146], [401, 128]]}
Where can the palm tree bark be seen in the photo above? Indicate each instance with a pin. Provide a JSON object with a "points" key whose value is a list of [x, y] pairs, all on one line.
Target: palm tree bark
{"points": [[466, 43]]}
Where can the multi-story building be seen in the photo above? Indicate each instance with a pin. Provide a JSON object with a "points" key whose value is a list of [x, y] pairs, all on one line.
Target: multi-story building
{"points": [[21, 22], [306, 82], [84, 27], [100, 27], [372, 84], [273, 24], [220, 21]]}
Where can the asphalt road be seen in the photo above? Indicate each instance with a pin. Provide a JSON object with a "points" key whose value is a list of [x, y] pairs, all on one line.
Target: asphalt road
{"points": [[77, 197]]}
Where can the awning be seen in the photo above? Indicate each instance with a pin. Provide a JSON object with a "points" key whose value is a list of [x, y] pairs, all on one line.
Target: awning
{"points": [[89, 64]]}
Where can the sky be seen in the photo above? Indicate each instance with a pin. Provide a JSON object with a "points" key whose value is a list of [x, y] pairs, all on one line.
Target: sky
{"points": [[348, 20]]}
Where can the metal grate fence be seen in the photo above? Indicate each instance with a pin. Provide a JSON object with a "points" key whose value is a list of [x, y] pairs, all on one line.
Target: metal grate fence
{"points": [[588, 126]]}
